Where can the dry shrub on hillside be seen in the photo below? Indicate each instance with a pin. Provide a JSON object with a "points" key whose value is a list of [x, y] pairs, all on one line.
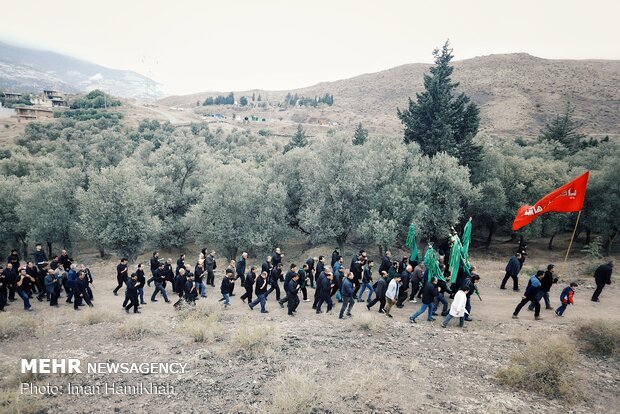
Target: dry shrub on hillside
{"points": [[94, 316], [13, 402], [12, 326], [368, 323], [135, 328], [599, 337], [253, 340], [295, 391], [549, 368]]}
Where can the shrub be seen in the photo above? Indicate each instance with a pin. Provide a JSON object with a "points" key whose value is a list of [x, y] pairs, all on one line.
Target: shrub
{"points": [[547, 368], [294, 392], [253, 340], [12, 402], [599, 337], [12, 326], [366, 322], [135, 328], [96, 316]]}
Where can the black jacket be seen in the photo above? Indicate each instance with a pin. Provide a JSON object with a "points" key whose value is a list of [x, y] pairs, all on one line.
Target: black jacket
{"points": [[226, 286], [405, 278], [548, 281], [266, 267], [602, 275], [292, 287], [260, 289], [386, 263], [154, 263], [141, 280], [367, 276], [249, 280], [381, 288], [429, 293], [320, 267], [335, 257]]}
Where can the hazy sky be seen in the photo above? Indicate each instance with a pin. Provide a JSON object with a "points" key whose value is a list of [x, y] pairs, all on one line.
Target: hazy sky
{"points": [[193, 46]]}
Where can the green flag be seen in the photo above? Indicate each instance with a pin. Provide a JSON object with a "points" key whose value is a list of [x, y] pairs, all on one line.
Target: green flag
{"points": [[466, 241], [455, 257], [430, 260], [411, 243]]}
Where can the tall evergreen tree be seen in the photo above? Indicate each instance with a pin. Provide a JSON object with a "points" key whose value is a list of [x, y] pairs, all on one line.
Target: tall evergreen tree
{"points": [[438, 120], [563, 133], [299, 140], [360, 136]]}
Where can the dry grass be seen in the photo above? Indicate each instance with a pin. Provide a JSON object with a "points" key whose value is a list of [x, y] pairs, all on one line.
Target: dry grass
{"points": [[548, 368], [94, 316], [599, 337], [295, 391], [253, 340], [135, 328], [368, 323], [13, 402], [12, 326]]}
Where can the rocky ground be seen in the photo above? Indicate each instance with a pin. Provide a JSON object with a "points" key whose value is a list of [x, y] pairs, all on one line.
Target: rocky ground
{"points": [[252, 362]]}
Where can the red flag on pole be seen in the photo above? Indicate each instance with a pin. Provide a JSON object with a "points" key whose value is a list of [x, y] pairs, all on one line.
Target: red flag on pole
{"points": [[565, 199]]}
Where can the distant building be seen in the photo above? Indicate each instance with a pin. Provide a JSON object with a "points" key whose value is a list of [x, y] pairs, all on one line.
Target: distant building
{"points": [[12, 96], [32, 113], [50, 98]]}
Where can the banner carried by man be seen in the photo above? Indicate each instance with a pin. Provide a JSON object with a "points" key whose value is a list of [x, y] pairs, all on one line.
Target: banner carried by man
{"points": [[566, 199]]}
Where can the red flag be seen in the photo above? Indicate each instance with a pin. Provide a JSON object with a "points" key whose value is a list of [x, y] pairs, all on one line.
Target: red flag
{"points": [[565, 199]]}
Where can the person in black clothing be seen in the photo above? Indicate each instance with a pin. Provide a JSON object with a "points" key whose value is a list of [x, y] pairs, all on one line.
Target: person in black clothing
{"points": [[11, 278], [386, 262], [64, 260], [405, 278], [310, 270], [248, 284], [320, 265], [357, 268], [33, 272], [303, 281], [403, 265], [40, 258], [43, 292], [530, 295], [13, 259], [602, 277], [267, 266], [287, 279], [210, 266], [428, 299], [189, 290], [261, 289], [141, 281], [52, 286], [199, 276], [154, 267], [240, 269], [3, 289], [545, 287], [512, 271], [292, 298], [277, 256], [132, 294], [160, 279], [227, 284], [54, 263], [79, 291], [23, 287], [380, 289], [121, 275], [470, 282], [274, 277], [324, 285], [335, 257], [180, 264], [179, 285], [442, 290]]}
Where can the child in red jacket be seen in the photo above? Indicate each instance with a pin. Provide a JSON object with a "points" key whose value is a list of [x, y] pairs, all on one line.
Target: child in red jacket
{"points": [[566, 297]]}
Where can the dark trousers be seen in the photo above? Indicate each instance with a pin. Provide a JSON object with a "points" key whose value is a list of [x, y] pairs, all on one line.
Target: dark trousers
{"points": [[515, 281], [133, 302], [276, 287], [159, 287], [248, 293], [55, 295], [120, 282], [526, 300], [311, 277], [293, 302], [12, 291], [375, 300], [324, 298], [260, 299], [415, 287], [441, 299], [597, 292], [346, 301], [3, 297], [304, 291], [356, 286], [210, 278], [402, 296], [286, 296], [78, 299]]}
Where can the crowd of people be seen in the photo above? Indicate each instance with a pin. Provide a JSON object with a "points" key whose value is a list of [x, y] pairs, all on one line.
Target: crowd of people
{"points": [[48, 280], [334, 285]]}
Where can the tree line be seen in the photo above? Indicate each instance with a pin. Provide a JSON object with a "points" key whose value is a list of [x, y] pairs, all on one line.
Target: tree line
{"points": [[126, 189]]}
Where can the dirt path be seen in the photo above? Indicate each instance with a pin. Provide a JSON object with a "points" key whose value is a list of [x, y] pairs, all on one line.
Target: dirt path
{"points": [[392, 367]]}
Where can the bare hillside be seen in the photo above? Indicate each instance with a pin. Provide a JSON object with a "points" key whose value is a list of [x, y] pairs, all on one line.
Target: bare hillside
{"points": [[517, 93]]}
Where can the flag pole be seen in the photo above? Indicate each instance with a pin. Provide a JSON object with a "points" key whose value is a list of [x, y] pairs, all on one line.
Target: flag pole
{"points": [[571, 239]]}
